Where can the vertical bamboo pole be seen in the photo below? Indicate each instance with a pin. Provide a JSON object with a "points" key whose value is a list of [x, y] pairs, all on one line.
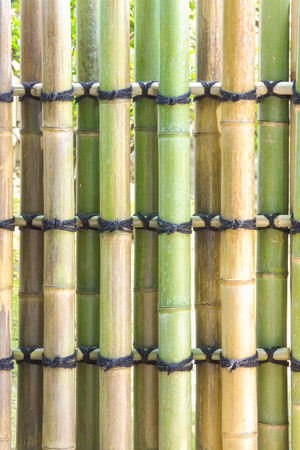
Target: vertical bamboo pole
{"points": [[6, 237], [88, 254], [239, 417], [272, 245], [115, 248], [59, 383], [31, 298], [146, 242], [174, 316], [207, 243]]}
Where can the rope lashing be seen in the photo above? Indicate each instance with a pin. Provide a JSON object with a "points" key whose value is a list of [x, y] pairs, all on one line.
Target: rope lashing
{"points": [[27, 87], [63, 96], [7, 363], [112, 363], [145, 352], [145, 88], [86, 355], [270, 352], [181, 99], [29, 218], [123, 225], [146, 221], [113, 95], [208, 352], [87, 94], [232, 97], [186, 365], [295, 364], [67, 362], [233, 364], [64, 225], [296, 95], [207, 88], [7, 97], [207, 221], [226, 224], [170, 228], [295, 228], [27, 352], [7, 224], [270, 87], [271, 218], [85, 221]]}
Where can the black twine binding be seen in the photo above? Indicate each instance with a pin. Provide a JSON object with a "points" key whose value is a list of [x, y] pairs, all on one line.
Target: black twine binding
{"points": [[233, 364], [86, 355], [7, 363], [231, 97], [170, 228], [27, 87], [64, 225], [207, 221], [27, 352], [207, 88], [111, 363], [64, 96], [185, 365], [85, 221], [7, 97], [67, 362], [296, 95], [208, 352], [145, 352], [271, 218], [270, 87], [295, 226], [226, 224], [7, 224], [87, 88], [181, 99], [145, 88], [29, 218], [270, 352], [146, 221], [113, 95], [123, 225], [295, 364]]}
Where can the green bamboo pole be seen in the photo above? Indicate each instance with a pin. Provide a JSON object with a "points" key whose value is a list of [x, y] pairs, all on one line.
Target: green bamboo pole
{"points": [[174, 310], [115, 248], [146, 243], [6, 237], [239, 415], [207, 243], [59, 383], [272, 246], [31, 298], [87, 198]]}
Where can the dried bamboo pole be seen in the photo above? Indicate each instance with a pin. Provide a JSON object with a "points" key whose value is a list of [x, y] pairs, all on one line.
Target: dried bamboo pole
{"points": [[146, 243], [174, 307], [6, 237], [115, 248], [207, 243], [59, 383], [239, 418], [31, 297], [272, 245], [88, 246]]}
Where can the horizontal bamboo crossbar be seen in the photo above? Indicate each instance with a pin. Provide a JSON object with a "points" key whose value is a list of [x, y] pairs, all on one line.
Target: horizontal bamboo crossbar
{"points": [[282, 88]]}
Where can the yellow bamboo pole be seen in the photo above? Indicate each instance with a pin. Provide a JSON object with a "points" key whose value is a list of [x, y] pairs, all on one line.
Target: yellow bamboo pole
{"points": [[239, 415]]}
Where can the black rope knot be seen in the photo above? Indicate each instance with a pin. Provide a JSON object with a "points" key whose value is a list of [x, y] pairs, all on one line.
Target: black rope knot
{"points": [[123, 225], [7, 224], [67, 362], [145, 352], [295, 226], [27, 352], [87, 88], [208, 352], [271, 218], [113, 95], [27, 87], [85, 221], [111, 363], [64, 225], [63, 96], [207, 88], [170, 228], [145, 88], [185, 365], [29, 218], [233, 364], [207, 220], [181, 99], [270, 352], [7, 363], [7, 97], [270, 87], [296, 95], [232, 97], [146, 221], [295, 364], [86, 355], [226, 224]]}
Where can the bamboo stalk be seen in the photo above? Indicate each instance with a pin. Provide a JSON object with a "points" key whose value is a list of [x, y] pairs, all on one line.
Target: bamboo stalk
{"points": [[272, 246], [6, 237], [239, 418], [88, 246], [146, 243], [59, 383], [115, 248], [174, 307], [31, 298], [207, 243]]}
